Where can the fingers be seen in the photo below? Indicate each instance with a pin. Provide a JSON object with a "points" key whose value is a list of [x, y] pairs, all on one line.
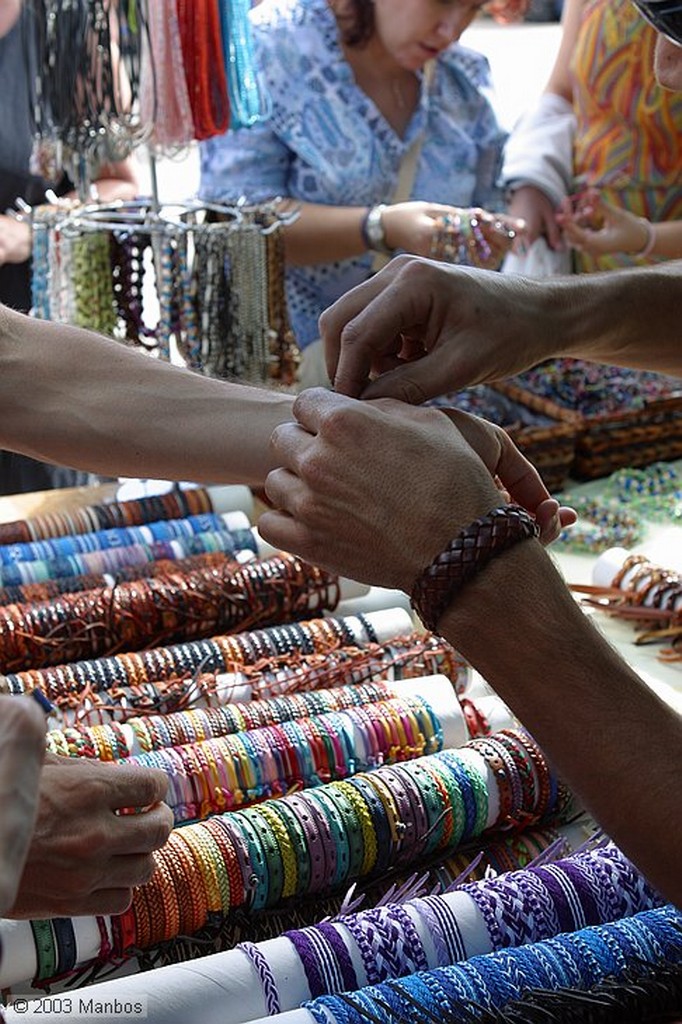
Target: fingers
{"points": [[139, 834], [414, 382], [333, 325], [129, 786], [285, 533], [84, 843], [503, 459], [312, 408], [356, 335], [103, 902]]}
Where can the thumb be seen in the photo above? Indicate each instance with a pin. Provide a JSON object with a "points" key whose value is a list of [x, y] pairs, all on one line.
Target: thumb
{"points": [[312, 405], [415, 382]]}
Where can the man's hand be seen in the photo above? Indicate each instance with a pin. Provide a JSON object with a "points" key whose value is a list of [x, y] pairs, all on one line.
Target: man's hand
{"points": [[375, 490], [15, 239], [428, 328], [22, 746], [86, 857]]}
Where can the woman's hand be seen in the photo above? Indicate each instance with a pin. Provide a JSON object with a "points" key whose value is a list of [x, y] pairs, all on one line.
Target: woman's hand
{"points": [[535, 209], [592, 225], [15, 239], [456, 235]]}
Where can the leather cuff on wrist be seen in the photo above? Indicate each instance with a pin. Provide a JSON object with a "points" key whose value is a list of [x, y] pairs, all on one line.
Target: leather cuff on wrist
{"points": [[465, 556]]}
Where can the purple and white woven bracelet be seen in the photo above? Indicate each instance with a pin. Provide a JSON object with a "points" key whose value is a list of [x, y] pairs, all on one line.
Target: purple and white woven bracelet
{"points": [[267, 978]]}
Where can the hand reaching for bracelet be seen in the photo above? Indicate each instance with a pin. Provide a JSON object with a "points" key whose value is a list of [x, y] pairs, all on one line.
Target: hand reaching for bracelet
{"points": [[457, 235], [85, 856], [475, 238]]}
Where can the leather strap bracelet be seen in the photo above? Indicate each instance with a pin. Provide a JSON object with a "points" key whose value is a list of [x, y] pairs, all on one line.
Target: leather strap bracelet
{"points": [[465, 556]]}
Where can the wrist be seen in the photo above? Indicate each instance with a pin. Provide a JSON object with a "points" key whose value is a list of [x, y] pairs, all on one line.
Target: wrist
{"points": [[648, 244], [467, 555]]}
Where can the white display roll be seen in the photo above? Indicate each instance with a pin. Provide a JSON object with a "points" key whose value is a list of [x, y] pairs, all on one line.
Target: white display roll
{"points": [[375, 599], [232, 498], [610, 563], [385, 625], [19, 964], [496, 712], [235, 520], [607, 566], [225, 988]]}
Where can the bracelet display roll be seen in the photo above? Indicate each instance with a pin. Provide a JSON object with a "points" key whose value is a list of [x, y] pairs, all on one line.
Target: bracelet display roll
{"points": [[465, 556]]}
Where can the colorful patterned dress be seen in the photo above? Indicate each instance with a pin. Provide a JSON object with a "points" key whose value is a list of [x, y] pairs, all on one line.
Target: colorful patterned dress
{"points": [[629, 130]]}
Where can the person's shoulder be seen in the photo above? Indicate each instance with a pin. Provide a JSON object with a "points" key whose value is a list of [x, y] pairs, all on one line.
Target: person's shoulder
{"points": [[283, 16], [462, 62], [286, 32]]}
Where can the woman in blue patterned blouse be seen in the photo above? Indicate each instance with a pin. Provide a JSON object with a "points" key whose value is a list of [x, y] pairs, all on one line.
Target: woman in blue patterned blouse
{"points": [[350, 97]]}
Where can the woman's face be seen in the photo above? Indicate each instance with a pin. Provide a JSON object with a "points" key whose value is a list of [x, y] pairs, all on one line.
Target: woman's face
{"points": [[414, 31]]}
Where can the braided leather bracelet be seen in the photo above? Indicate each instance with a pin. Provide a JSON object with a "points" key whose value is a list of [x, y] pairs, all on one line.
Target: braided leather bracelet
{"points": [[465, 556]]}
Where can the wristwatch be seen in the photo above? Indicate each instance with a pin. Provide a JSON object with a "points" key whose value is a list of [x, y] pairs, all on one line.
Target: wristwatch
{"points": [[373, 230]]}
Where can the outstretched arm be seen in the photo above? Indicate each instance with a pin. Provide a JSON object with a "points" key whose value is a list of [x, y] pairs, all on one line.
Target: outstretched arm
{"points": [[375, 491], [72, 397], [426, 328], [22, 746]]}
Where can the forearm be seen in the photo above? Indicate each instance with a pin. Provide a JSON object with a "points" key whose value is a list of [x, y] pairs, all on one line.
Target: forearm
{"points": [[81, 400], [613, 741], [324, 234], [626, 318]]}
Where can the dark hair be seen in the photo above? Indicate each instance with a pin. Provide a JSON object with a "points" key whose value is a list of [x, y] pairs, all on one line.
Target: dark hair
{"points": [[357, 22]]}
